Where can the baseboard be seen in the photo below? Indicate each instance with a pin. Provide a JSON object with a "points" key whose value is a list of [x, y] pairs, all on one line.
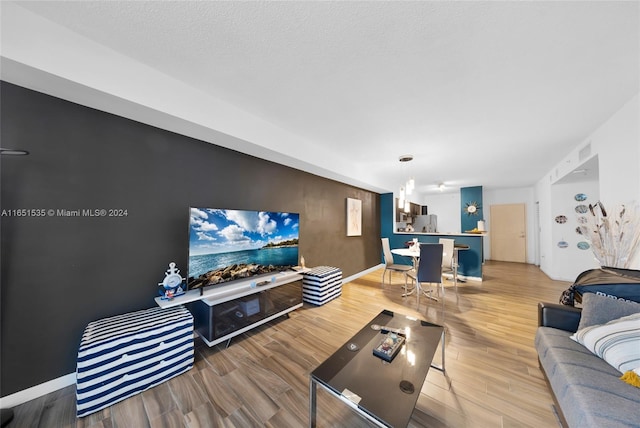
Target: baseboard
{"points": [[37, 391], [362, 273], [462, 278], [381, 265], [554, 277]]}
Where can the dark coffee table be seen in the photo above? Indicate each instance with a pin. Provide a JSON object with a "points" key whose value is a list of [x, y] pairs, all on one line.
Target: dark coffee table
{"points": [[384, 393]]}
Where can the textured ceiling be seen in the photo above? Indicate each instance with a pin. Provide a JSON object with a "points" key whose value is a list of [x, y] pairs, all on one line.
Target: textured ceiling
{"points": [[481, 93]]}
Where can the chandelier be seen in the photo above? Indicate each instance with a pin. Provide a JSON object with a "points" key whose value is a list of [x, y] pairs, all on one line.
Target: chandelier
{"points": [[407, 189]]}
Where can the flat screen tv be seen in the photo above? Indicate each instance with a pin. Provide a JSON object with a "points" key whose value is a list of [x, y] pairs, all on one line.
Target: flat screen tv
{"points": [[227, 245]]}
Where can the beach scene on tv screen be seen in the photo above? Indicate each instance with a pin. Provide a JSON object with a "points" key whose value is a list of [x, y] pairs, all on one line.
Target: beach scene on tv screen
{"points": [[226, 245]]}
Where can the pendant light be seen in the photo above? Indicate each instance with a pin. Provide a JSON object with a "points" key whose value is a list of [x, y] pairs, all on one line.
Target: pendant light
{"points": [[408, 187]]}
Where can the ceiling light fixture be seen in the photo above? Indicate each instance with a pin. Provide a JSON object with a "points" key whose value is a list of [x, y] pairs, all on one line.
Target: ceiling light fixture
{"points": [[441, 187]]}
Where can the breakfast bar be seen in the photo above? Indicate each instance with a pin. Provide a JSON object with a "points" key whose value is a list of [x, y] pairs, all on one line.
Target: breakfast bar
{"points": [[469, 261]]}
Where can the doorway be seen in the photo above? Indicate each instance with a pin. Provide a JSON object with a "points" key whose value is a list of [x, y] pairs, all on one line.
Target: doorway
{"points": [[509, 233]]}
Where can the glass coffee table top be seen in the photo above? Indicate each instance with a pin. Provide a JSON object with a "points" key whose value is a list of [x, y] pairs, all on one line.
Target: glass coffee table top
{"points": [[383, 392]]}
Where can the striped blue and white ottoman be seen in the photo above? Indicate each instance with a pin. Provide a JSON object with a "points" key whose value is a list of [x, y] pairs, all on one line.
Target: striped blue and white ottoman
{"points": [[321, 284], [127, 354]]}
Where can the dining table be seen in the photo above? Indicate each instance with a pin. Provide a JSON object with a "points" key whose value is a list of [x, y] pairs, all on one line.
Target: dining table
{"points": [[413, 251]]}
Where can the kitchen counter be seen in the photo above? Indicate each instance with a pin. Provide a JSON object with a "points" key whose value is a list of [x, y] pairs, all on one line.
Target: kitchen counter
{"points": [[470, 261], [441, 234]]}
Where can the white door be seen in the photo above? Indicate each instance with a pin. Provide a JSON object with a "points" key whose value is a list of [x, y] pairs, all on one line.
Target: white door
{"points": [[508, 233]]}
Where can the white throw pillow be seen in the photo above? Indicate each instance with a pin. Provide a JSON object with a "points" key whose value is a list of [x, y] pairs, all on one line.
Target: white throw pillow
{"points": [[617, 342]]}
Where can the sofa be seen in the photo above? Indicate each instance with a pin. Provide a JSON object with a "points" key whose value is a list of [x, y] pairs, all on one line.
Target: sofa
{"points": [[588, 391]]}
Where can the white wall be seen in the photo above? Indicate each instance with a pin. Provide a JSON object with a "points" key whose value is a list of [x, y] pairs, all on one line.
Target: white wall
{"points": [[571, 261], [447, 207], [616, 143], [543, 197]]}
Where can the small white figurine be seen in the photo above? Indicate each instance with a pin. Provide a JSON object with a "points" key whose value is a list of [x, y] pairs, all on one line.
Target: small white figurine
{"points": [[171, 286]]}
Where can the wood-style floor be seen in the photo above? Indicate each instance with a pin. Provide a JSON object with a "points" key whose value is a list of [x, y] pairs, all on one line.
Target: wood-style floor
{"points": [[262, 379]]}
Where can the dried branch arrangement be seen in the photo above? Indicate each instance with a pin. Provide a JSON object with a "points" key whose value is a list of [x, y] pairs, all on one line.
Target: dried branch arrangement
{"points": [[615, 235]]}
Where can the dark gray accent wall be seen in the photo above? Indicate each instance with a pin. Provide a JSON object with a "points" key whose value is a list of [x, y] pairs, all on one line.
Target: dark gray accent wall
{"points": [[58, 272]]}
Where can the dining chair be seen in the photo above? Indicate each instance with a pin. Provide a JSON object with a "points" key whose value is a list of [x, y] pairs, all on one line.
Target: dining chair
{"points": [[391, 266], [429, 269], [449, 263]]}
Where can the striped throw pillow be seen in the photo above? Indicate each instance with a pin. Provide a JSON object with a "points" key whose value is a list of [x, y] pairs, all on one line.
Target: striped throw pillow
{"points": [[617, 342]]}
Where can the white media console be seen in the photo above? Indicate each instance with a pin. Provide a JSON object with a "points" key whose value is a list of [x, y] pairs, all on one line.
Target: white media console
{"points": [[222, 312]]}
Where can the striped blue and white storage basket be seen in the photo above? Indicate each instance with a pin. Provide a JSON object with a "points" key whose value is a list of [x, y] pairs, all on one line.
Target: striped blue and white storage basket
{"points": [[321, 284], [127, 354]]}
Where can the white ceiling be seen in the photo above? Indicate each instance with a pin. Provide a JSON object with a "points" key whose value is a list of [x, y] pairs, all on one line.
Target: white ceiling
{"points": [[481, 93]]}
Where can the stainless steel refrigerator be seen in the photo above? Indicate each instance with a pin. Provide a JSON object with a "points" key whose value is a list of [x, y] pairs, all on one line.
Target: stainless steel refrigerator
{"points": [[425, 223]]}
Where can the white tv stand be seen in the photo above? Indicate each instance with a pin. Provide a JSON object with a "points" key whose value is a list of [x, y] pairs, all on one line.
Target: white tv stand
{"points": [[222, 312]]}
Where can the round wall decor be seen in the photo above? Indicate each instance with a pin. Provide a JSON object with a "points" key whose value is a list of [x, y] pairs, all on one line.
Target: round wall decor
{"points": [[583, 245], [580, 197], [561, 219], [471, 208], [581, 209]]}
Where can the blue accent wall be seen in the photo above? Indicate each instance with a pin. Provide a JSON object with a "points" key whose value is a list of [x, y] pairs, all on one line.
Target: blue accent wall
{"points": [[467, 196]]}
